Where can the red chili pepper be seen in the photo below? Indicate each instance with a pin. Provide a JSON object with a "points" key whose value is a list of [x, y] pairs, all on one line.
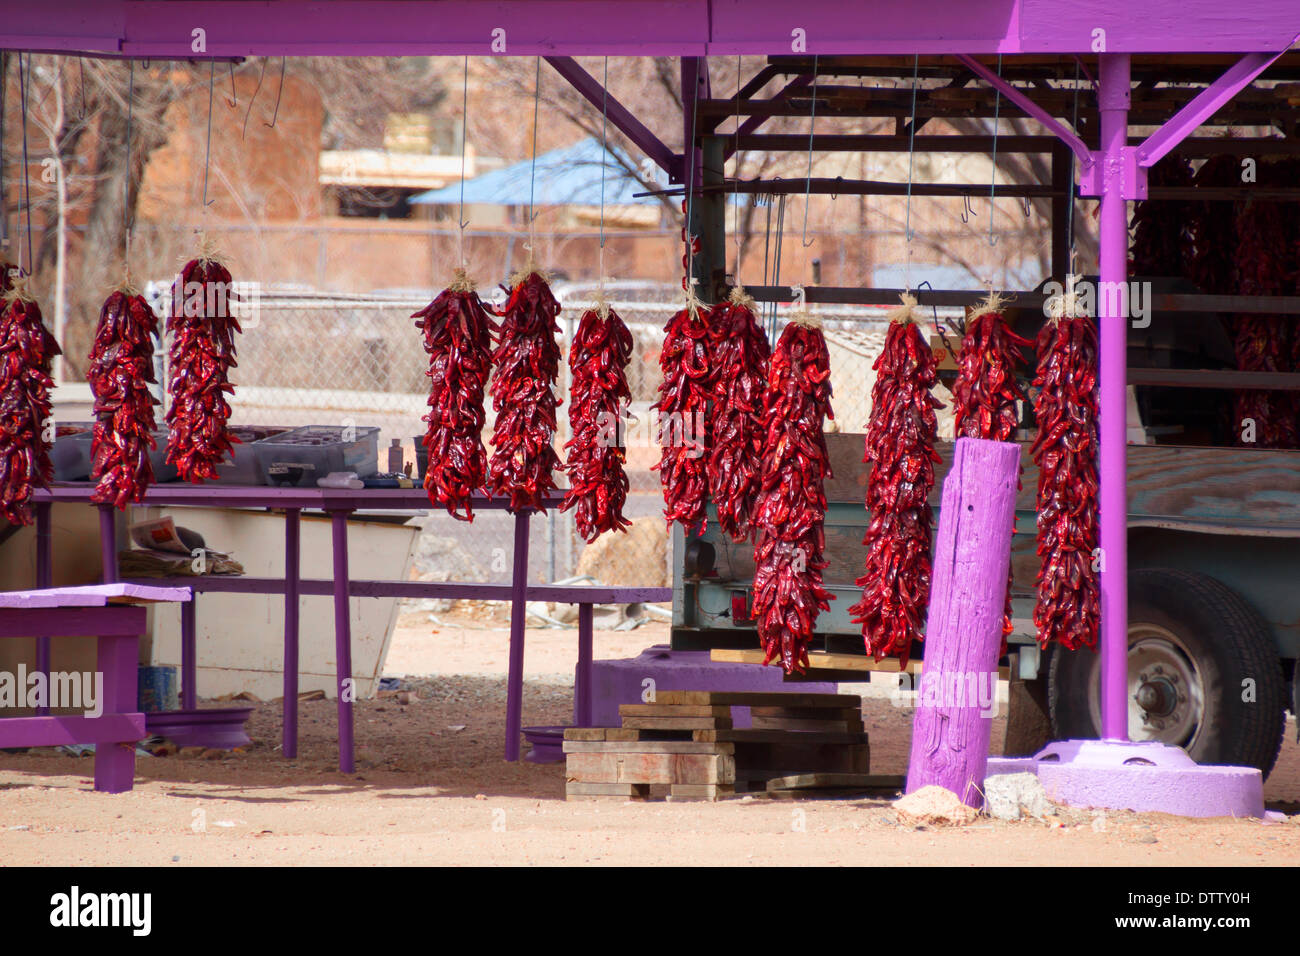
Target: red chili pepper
{"points": [[527, 362], [790, 508], [1068, 607], [598, 484], [27, 351], [203, 328], [120, 371], [1161, 240], [986, 392], [741, 355], [683, 418], [900, 443], [458, 338]]}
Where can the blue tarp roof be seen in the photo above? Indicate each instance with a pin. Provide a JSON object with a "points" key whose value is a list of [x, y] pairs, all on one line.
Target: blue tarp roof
{"points": [[564, 177]]}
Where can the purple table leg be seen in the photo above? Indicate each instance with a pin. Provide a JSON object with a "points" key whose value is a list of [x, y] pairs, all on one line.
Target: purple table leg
{"points": [[292, 575], [44, 579], [343, 641], [518, 611], [582, 687], [115, 762], [189, 655], [108, 544]]}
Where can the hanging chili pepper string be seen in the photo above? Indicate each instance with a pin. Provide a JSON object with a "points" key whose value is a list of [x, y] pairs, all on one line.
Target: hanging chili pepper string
{"points": [[1067, 610], [207, 146], [790, 510], [27, 353], [900, 447]]}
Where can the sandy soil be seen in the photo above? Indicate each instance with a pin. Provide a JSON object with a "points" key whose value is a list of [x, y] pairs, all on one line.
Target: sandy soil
{"points": [[431, 788]]}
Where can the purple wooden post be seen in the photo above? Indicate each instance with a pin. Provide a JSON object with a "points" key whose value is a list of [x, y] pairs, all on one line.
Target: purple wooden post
{"points": [[582, 686], [107, 544], [343, 641], [518, 612], [292, 575], [957, 695], [189, 654], [44, 579], [1113, 99], [117, 661]]}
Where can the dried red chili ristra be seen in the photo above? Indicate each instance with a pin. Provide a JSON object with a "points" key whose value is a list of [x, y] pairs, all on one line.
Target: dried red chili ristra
{"points": [[527, 361], [598, 485], [1161, 245], [202, 354], [458, 337], [740, 355], [1067, 611], [1261, 342], [683, 417], [121, 368], [986, 391], [27, 351], [790, 510], [900, 443]]}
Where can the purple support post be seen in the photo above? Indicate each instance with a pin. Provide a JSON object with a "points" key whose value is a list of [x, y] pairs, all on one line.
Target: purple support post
{"points": [[958, 687], [343, 642], [518, 612], [107, 544], [44, 579], [116, 660], [189, 654], [583, 682], [1113, 99], [292, 576]]}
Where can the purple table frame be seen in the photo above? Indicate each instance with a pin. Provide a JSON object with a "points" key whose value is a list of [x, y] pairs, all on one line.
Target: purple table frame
{"points": [[339, 504], [58, 612]]}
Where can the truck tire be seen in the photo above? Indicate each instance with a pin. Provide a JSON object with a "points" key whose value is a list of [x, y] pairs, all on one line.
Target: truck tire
{"points": [[1195, 649]]}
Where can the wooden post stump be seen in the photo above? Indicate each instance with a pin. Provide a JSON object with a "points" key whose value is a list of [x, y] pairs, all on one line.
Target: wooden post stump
{"points": [[957, 693]]}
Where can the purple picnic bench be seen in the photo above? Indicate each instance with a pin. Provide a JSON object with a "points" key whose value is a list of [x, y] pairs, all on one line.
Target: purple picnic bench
{"points": [[116, 615]]}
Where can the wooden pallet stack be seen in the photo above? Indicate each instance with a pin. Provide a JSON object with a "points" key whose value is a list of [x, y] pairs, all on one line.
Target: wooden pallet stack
{"points": [[684, 745]]}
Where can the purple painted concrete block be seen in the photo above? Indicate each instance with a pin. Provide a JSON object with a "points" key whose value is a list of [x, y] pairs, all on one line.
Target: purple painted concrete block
{"points": [[623, 681]]}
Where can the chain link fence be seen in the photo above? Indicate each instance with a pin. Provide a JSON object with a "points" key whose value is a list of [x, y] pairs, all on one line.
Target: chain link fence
{"points": [[309, 358]]}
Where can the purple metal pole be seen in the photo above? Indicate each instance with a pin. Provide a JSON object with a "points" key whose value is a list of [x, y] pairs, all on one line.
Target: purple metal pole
{"points": [[189, 654], [1113, 99], [44, 579], [292, 576], [107, 544], [518, 611], [582, 686], [343, 642]]}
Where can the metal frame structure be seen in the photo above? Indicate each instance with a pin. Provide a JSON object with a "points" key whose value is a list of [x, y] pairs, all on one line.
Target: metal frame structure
{"points": [[1219, 50]]}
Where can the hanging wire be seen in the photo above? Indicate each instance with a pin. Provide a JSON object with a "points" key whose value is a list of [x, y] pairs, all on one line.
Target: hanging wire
{"points": [[532, 171], [604, 160], [278, 93], [4, 193], [911, 158], [253, 99], [126, 180], [812, 126], [735, 201], [1069, 212], [24, 81], [688, 154], [993, 176], [464, 131], [234, 97], [81, 64], [207, 148]]}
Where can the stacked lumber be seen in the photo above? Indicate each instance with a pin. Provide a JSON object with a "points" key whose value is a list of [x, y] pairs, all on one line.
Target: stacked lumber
{"points": [[685, 746]]}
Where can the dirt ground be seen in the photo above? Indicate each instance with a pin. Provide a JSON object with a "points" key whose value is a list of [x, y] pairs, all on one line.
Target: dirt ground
{"points": [[432, 788]]}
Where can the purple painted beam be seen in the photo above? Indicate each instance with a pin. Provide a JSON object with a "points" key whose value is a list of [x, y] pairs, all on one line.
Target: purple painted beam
{"points": [[1204, 105], [107, 544], [118, 659], [292, 577], [1113, 98], [94, 595], [44, 579], [518, 614], [189, 656], [63, 729], [343, 642], [217, 495], [583, 677], [1070, 138], [618, 114], [111, 620], [963, 632]]}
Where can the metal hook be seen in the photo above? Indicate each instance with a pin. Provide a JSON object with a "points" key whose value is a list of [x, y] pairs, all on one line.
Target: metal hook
{"points": [[967, 209], [234, 96], [81, 63], [278, 93], [248, 112], [1028, 208], [836, 193]]}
